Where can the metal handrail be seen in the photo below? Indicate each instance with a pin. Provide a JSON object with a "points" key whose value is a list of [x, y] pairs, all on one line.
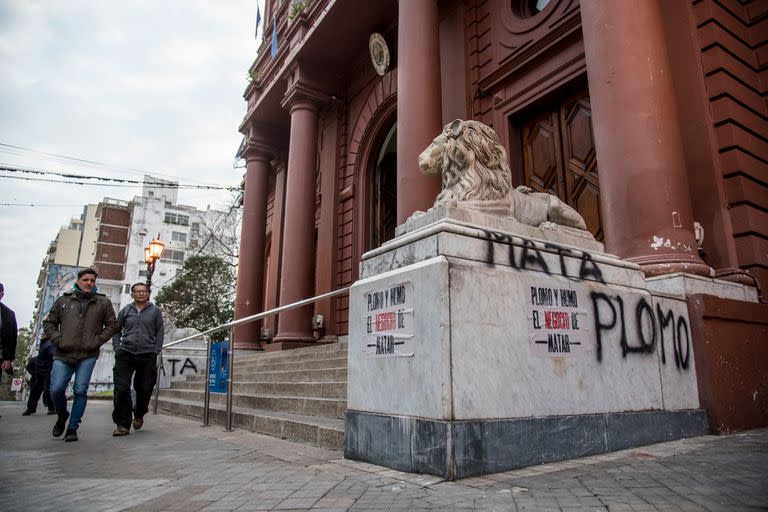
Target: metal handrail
{"points": [[231, 356]]}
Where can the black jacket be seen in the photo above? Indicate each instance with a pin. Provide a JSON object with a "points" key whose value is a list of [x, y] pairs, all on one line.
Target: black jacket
{"points": [[45, 356], [8, 334], [79, 324]]}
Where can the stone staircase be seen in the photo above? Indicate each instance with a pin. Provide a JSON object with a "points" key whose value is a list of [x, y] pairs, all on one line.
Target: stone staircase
{"points": [[299, 395]]}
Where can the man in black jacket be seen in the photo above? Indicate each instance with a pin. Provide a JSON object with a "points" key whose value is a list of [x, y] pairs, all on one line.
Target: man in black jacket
{"points": [[39, 367], [8, 334], [137, 345]]}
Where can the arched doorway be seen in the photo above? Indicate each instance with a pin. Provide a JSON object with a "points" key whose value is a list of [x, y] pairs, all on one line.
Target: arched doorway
{"points": [[382, 190]]}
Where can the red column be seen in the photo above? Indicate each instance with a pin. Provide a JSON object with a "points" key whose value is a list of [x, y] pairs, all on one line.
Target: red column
{"points": [[418, 102], [297, 283], [250, 274], [643, 183]]}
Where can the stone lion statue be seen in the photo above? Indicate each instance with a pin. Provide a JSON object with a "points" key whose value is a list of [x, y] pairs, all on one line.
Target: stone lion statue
{"points": [[475, 173]]}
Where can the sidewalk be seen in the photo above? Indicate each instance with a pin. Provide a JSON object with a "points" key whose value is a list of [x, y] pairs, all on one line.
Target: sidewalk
{"points": [[175, 464]]}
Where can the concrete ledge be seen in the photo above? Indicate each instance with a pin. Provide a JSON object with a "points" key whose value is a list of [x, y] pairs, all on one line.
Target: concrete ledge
{"points": [[460, 449]]}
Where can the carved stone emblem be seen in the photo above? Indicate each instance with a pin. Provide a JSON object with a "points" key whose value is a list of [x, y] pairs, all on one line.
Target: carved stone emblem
{"points": [[475, 175], [379, 53]]}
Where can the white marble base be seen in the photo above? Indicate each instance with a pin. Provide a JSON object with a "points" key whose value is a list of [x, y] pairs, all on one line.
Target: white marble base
{"points": [[689, 284], [456, 331]]}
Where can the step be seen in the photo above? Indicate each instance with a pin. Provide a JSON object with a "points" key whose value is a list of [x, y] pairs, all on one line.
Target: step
{"points": [[317, 389], [310, 406], [325, 432], [299, 364], [321, 374], [328, 350]]}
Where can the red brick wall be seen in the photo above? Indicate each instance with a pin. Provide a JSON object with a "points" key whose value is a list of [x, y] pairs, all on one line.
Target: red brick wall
{"points": [[730, 343], [732, 39]]}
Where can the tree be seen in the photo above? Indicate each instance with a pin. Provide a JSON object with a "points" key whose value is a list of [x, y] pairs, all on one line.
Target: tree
{"points": [[202, 296], [220, 233], [22, 350]]}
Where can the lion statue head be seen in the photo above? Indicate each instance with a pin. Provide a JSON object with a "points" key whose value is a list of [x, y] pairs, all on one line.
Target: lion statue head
{"points": [[471, 161]]}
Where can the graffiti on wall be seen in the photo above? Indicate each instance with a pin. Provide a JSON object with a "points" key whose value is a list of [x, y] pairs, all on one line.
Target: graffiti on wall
{"points": [[388, 329], [523, 254], [177, 369], [650, 328]]}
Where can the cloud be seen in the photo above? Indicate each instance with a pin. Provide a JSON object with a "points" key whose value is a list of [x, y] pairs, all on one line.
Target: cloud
{"points": [[147, 85]]}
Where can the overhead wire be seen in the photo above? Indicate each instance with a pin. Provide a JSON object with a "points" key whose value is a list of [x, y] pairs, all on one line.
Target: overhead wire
{"points": [[80, 179], [21, 151]]}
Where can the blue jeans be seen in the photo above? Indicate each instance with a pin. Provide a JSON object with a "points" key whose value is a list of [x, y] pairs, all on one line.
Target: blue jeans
{"points": [[60, 376]]}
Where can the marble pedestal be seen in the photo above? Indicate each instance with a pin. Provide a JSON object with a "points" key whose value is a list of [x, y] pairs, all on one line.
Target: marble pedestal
{"points": [[473, 350]]}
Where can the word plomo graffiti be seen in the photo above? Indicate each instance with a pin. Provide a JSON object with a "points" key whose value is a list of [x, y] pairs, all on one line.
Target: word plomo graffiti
{"points": [[651, 328]]}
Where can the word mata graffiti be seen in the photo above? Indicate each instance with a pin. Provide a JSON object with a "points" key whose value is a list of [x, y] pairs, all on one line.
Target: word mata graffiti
{"points": [[523, 254]]}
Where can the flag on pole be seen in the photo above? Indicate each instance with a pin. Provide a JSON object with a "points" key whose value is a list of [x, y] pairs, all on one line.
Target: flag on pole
{"points": [[274, 36], [258, 21]]}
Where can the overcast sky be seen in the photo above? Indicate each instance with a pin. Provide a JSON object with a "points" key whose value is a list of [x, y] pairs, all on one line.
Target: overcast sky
{"points": [[153, 86]]}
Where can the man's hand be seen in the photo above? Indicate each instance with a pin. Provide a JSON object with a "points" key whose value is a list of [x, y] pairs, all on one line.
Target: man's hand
{"points": [[6, 365]]}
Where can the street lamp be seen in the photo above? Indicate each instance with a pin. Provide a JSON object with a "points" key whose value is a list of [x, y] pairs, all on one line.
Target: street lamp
{"points": [[152, 253]]}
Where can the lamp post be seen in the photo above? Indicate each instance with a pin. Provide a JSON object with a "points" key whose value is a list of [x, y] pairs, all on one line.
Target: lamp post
{"points": [[152, 253]]}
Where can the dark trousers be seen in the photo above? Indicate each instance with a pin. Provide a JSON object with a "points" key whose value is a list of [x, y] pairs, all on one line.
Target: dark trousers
{"points": [[39, 384], [142, 368]]}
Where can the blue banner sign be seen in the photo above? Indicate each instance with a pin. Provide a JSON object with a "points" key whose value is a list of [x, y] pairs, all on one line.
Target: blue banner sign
{"points": [[217, 370]]}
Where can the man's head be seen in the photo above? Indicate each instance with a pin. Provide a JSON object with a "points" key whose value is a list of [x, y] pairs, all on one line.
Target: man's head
{"points": [[86, 279], [140, 293]]}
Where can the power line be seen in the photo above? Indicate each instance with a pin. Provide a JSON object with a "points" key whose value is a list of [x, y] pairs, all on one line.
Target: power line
{"points": [[78, 179], [81, 160], [42, 205]]}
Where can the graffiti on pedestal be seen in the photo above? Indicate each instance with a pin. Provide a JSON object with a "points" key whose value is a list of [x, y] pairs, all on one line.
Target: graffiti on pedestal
{"points": [[650, 328], [524, 254], [555, 318], [388, 321]]}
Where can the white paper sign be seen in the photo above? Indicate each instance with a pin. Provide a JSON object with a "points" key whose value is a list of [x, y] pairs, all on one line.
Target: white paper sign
{"points": [[16, 384], [557, 322], [388, 321]]}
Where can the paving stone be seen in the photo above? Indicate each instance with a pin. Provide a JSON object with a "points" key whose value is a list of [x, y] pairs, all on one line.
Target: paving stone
{"points": [[178, 466]]}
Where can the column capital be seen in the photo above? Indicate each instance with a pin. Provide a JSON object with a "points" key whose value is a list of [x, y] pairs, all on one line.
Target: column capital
{"points": [[301, 96], [258, 145]]}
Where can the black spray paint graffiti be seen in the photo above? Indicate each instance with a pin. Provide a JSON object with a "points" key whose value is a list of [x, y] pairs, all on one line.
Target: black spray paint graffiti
{"points": [[188, 365], [649, 329], [529, 257]]}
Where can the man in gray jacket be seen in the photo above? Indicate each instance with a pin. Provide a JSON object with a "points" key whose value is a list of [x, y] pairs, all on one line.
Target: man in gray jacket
{"points": [[137, 345]]}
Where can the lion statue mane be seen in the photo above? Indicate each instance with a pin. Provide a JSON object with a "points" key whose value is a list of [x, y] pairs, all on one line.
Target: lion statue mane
{"points": [[475, 174]]}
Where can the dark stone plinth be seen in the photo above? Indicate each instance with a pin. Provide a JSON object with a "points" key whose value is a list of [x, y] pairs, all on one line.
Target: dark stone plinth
{"points": [[460, 449]]}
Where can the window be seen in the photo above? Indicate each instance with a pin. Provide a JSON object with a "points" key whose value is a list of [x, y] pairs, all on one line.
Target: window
{"points": [[176, 236], [142, 273], [171, 255], [127, 288], [176, 218]]}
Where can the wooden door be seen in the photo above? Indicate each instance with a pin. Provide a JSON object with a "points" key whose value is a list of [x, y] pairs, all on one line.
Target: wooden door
{"points": [[559, 157]]}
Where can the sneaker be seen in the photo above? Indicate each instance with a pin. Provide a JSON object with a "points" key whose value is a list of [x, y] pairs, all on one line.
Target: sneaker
{"points": [[138, 423], [71, 435], [51, 412], [58, 428], [27, 412], [121, 431]]}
